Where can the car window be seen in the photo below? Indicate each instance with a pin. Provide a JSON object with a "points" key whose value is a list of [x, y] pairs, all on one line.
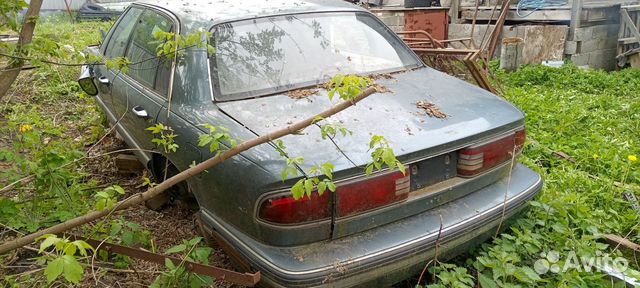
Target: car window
{"points": [[146, 65], [273, 54], [120, 36]]}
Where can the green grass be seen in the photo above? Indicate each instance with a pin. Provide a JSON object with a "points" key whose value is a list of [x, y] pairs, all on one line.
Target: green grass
{"points": [[592, 116], [61, 121]]}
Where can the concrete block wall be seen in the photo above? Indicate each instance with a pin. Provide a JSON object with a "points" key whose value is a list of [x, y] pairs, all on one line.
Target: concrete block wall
{"points": [[393, 19], [594, 46]]}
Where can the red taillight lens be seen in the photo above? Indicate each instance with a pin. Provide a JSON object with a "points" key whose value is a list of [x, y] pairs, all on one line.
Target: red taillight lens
{"points": [[286, 210], [371, 193], [477, 159], [366, 194]]}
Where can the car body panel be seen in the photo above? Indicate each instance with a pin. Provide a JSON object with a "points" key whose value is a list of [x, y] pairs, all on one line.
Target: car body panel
{"points": [[472, 112], [229, 194], [343, 259]]}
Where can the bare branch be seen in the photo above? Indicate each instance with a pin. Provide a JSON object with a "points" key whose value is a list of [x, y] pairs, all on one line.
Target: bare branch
{"points": [[195, 170]]}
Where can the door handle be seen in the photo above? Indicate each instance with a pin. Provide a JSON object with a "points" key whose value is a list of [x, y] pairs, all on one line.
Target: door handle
{"points": [[103, 80], [140, 112]]}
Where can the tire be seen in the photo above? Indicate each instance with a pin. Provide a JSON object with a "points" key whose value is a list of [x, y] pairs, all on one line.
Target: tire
{"points": [[417, 3], [178, 191]]}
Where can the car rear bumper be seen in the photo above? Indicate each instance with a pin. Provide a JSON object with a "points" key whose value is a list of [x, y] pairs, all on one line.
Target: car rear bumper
{"points": [[392, 252]]}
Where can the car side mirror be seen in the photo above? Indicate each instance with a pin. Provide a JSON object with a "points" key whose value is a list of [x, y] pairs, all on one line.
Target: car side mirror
{"points": [[104, 34], [86, 81]]}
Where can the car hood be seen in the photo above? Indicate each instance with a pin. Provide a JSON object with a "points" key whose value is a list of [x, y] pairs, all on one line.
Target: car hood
{"points": [[473, 114]]}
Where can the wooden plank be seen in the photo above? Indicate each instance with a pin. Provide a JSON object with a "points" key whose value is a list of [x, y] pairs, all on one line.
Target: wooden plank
{"points": [[454, 11], [544, 43], [630, 25], [631, 8], [128, 164], [540, 15], [620, 242], [628, 40]]}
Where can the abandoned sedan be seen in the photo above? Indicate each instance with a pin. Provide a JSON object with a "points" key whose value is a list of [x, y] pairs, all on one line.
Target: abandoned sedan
{"points": [[461, 185]]}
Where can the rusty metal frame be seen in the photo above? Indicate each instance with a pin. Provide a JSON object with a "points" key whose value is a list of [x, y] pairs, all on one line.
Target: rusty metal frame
{"points": [[412, 39], [245, 279], [470, 60]]}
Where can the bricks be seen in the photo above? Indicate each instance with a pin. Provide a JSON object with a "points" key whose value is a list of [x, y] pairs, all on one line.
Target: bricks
{"points": [[600, 59]]}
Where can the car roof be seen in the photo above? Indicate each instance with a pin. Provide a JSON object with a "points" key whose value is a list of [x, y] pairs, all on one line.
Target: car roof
{"points": [[203, 14]]}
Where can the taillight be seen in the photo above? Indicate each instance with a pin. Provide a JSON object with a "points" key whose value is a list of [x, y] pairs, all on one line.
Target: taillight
{"points": [[371, 193], [477, 159], [354, 197], [286, 210]]}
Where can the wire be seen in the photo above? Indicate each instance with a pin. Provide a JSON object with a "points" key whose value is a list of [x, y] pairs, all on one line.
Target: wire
{"points": [[537, 5]]}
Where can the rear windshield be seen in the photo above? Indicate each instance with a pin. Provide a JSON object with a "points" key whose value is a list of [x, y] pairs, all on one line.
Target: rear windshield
{"points": [[269, 55]]}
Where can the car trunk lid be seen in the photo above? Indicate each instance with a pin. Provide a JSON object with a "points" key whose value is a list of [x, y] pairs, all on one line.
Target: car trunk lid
{"points": [[428, 142]]}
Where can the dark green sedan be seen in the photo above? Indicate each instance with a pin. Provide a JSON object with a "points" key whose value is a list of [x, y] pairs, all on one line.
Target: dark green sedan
{"points": [[463, 180]]}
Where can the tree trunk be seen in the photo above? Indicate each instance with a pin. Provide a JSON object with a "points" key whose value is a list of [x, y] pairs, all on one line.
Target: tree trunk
{"points": [[195, 170], [10, 73]]}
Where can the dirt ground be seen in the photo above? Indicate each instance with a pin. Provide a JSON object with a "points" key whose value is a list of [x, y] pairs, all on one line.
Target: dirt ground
{"points": [[168, 227]]}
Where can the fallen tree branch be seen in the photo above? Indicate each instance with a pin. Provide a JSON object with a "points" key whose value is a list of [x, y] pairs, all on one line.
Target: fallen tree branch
{"points": [[182, 176]]}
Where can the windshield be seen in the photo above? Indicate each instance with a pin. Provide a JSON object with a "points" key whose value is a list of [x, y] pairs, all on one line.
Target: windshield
{"points": [[269, 55]]}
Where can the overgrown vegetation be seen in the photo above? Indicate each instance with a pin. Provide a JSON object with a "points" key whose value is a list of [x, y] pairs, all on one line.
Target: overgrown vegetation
{"points": [[591, 117], [49, 131]]}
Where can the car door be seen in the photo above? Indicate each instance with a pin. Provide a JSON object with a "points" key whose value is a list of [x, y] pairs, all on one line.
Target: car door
{"points": [[144, 90], [114, 46]]}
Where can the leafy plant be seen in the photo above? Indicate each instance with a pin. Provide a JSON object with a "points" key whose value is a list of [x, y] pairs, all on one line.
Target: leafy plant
{"points": [[62, 259], [382, 154], [177, 275], [171, 45], [306, 186], [164, 138], [108, 197], [451, 276], [217, 138], [591, 116], [331, 129], [348, 87]]}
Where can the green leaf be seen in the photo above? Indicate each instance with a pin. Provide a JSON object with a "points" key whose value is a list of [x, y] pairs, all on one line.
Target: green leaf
{"points": [[308, 186], [118, 189], [402, 168], [70, 249], [369, 170], [486, 282], [331, 186], [297, 190], [54, 269], [169, 264], [176, 249], [322, 186], [72, 270], [82, 246], [526, 274], [49, 240], [195, 241], [128, 238]]}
